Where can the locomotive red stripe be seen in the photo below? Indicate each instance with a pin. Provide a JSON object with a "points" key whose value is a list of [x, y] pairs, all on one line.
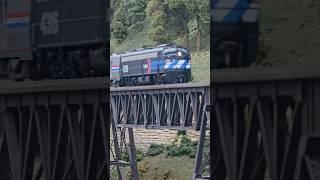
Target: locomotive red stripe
{"points": [[25, 49], [149, 67], [18, 14]]}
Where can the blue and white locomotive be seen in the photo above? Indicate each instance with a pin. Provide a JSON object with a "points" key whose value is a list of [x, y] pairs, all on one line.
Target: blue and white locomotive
{"points": [[234, 26], [164, 64]]}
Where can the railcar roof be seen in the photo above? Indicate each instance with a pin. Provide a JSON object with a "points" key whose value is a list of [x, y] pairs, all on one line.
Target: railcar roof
{"points": [[149, 50], [143, 52]]}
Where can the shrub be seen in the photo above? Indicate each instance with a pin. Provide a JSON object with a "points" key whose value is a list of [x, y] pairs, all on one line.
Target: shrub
{"points": [[139, 156], [173, 150], [186, 148], [155, 149], [181, 132]]}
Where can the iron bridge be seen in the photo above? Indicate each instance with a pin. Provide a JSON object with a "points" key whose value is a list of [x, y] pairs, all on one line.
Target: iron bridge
{"points": [[54, 129], [179, 107], [266, 123]]}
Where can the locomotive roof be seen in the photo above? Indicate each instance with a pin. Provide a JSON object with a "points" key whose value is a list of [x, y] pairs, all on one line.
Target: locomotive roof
{"points": [[142, 51]]}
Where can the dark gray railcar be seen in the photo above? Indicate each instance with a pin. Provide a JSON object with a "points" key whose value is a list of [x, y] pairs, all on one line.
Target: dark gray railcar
{"points": [[68, 23], [15, 50], [137, 62], [69, 38]]}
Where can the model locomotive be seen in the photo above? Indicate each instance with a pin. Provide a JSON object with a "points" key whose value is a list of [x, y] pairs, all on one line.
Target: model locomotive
{"points": [[164, 64], [53, 39], [234, 32]]}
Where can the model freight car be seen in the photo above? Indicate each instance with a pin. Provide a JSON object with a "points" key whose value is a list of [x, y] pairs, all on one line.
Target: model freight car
{"points": [[52, 39], [164, 64], [234, 26]]}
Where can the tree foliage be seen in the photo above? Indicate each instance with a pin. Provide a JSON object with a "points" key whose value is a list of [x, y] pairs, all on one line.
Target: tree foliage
{"points": [[170, 19], [158, 11], [136, 11], [126, 15], [200, 11], [176, 16], [119, 24]]}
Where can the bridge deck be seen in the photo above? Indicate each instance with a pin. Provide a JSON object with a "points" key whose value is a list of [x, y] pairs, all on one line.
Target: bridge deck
{"points": [[12, 87], [176, 106]]}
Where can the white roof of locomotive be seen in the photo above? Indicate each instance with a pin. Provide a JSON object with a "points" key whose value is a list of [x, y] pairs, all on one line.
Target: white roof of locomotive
{"points": [[144, 51]]}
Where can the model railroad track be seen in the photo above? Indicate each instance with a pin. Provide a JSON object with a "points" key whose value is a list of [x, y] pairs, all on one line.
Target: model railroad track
{"points": [[159, 87], [12, 87]]}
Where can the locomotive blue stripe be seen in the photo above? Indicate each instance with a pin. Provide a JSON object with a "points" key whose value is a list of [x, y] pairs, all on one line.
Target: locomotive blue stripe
{"points": [[18, 20], [177, 64], [173, 63], [234, 11], [238, 11], [156, 65], [161, 65], [214, 3], [17, 25]]}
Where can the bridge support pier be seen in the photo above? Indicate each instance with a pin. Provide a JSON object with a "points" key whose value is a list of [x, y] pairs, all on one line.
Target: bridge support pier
{"points": [[120, 146], [202, 158], [182, 107]]}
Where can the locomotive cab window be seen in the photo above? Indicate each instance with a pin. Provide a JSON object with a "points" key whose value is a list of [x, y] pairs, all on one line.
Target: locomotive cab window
{"points": [[176, 53]]}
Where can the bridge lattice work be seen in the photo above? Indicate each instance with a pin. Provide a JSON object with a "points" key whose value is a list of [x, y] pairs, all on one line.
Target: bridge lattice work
{"points": [[54, 130], [266, 123], [179, 107]]}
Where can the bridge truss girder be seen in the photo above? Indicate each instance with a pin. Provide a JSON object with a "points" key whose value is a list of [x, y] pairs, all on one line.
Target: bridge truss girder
{"points": [[54, 131], [179, 107]]}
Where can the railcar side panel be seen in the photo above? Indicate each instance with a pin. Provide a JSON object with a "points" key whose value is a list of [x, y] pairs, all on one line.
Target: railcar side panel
{"points": [[68, 23], [14, 28]]}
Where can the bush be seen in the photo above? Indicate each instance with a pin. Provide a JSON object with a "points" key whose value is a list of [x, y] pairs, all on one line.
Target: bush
{"points": [[125, 156], [192, 154], [181, 132], [173, 150], [139, 156], [155, 149], [186, 148]]}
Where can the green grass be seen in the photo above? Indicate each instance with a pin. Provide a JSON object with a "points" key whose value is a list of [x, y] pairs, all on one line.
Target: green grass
{"points": [[200, 66], [137, 39], [162, 167]]}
